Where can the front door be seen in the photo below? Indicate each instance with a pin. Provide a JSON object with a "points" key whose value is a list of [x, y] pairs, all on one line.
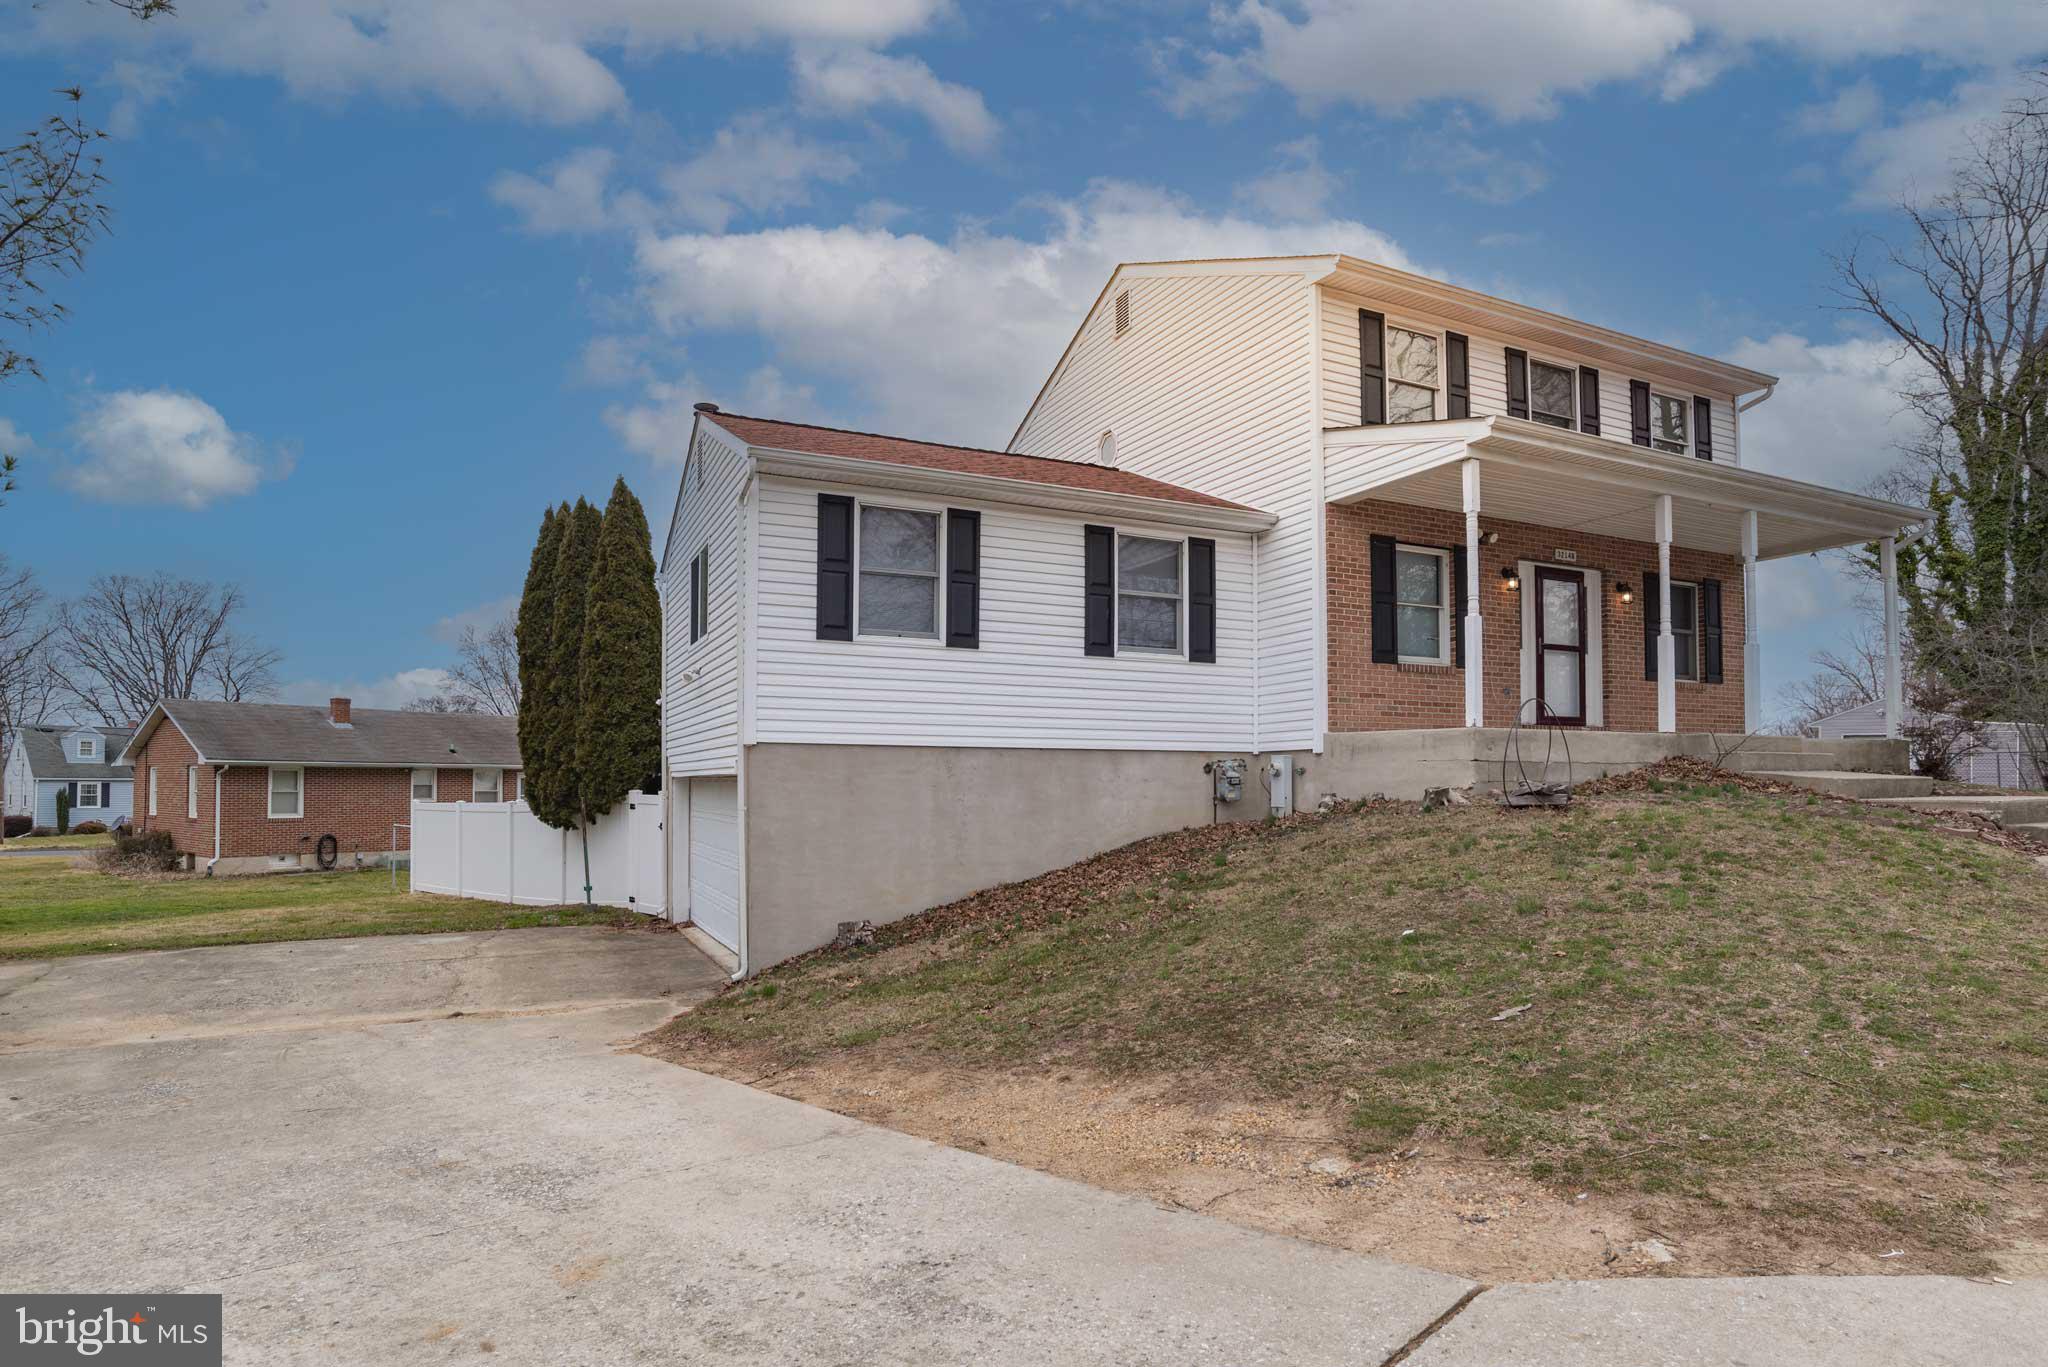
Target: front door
{"points": [[1561, 646]]}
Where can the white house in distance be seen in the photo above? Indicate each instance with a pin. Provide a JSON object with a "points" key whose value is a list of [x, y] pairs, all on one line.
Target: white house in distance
{"points": [[80, 761], [1272, 530]]}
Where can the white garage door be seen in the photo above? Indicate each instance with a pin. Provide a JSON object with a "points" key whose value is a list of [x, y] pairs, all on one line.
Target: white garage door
{"points": [[715, 858]]}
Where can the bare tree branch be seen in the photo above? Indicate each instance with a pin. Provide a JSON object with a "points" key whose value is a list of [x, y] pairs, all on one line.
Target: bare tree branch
{"points": [[133, 640]]}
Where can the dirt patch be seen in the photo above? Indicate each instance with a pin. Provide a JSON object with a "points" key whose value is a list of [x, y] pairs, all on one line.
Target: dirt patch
{"points": [[1285, 1170]]}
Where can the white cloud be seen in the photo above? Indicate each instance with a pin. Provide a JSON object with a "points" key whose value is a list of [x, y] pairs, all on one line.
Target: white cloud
{"points": [[850, 81], [13, 441], [1836, 417], [392, 692], [142, 85], [658, 427], [755, 165], [1910, 157], [482, 617], [164, 446], [536, 59], [1851, 109], [1490, 174], [1299, 189], [572, 198], [972, 323], [1518, 59]]}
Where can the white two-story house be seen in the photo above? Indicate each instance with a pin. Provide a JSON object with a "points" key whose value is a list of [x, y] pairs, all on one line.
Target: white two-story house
{"points": [[1272, 530]]}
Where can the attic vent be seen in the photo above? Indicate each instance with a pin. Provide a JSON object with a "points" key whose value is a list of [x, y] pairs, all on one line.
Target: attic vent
{"points": [[1106, 454], [1123, 312]]}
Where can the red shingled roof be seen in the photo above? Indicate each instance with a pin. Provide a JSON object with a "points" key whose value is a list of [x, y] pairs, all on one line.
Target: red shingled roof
{"points": [[834, 441]]}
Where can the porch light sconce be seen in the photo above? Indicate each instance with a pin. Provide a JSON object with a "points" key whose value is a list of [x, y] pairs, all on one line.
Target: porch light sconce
{"points": [[1509, 579], [1627, 592], [1489, 538]]}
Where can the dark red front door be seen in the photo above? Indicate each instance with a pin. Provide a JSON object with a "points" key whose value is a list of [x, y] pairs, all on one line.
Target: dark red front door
{"points": [[1561, 646]]}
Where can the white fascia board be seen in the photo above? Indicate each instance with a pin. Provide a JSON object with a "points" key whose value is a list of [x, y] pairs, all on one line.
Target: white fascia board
{"points": [[1002, 489], [1358, 276]]}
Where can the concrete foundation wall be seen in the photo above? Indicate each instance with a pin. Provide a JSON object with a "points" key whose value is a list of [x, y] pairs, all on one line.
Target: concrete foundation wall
{"points": [[850, 832], [1401, 764]]}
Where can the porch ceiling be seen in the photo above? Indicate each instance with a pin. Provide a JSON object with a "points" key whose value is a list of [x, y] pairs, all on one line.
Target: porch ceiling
{"points": [[1530, 473]]}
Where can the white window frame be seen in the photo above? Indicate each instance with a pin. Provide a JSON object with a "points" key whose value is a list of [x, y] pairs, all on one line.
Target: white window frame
{"points": [[937, 636], [1684, 408], [88, 747], [270, 791], [412, 785], [1680, 653], [1116, 589], [497, 784], [98, 794], [152, 790], [1572, 423], [1444, 586], [191, 792], [700, 600], [1388, 380]]}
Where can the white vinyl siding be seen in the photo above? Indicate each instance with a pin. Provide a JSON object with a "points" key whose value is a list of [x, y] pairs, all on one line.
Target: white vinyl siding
{"points": [[1211, 390], [1029, 684], [1489, 374], [701, 716]]}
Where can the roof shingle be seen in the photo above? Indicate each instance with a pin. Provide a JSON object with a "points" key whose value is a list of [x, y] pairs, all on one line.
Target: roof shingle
{"points": [[47, 760], [1071, 474], [288, 733]]}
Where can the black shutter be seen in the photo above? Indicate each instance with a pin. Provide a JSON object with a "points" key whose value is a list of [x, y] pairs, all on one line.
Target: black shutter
{"points": [[1639, 412], [71, 795], [1710, 629], [1201, 600], [1518, 383], [1458, 606], [963, 578], [1372, 368], [1589, 401], [1457, 376], [1385, 647], [1099, 571], [835, 567], [1702, 429], [1651, 623], [696, 599]]}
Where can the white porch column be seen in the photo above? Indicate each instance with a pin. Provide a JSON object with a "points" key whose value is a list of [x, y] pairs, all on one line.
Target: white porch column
{"points": [[1752, 633], [1894, 685], [1667, 646], [1475, 640]]}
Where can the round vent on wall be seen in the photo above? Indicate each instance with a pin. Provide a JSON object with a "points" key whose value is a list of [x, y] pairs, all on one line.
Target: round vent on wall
{"points": [[1107, 454]]}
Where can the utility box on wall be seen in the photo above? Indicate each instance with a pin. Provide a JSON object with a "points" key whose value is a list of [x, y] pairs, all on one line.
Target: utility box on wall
{"points": [[1280, 783], [1229, 774]]}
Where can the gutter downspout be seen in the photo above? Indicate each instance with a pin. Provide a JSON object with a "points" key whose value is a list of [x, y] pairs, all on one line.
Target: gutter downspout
{"points": [[218, 770]]}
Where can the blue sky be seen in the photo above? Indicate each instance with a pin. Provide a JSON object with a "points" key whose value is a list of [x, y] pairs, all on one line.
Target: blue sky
{"points": [[389, 277]]}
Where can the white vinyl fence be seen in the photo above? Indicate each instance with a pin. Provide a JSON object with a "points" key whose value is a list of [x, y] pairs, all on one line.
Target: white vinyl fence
{"points": [[500, 852]]}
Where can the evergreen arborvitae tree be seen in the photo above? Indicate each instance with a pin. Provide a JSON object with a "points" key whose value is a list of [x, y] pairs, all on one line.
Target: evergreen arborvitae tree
{"points": [[536, 621], [557, 800], [618, 716]]}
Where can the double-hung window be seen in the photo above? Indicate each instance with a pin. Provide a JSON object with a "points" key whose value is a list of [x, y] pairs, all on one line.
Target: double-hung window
{"points": [[89, 794], [1422, 614], [287, 792], [1414, 374], [1685, 632], [1148, 595], [192, 792], [425, 784], [898, 551], [88, 747], [1553, 394], [487, 786], [1670, 423], [152, 790]]}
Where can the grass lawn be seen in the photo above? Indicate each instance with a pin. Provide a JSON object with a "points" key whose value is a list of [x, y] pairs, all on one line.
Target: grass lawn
{"points": [[51, 907], [1808, 1017], [58, 842]]}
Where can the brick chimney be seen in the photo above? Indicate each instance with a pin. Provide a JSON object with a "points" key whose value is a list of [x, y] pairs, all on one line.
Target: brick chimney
{"points": [[337, 711]]}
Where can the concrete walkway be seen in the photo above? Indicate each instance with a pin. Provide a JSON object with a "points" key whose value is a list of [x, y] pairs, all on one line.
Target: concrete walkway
{"points": [[369, 1177]]}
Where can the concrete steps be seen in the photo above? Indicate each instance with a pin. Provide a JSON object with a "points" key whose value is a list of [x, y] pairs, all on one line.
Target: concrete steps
{"points": [[1844, 783], [2037, 829], [1781, 761], [2021, 810]]}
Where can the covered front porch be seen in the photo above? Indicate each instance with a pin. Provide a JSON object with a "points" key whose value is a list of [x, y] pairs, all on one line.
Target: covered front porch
{"points": [[1585, 580]]}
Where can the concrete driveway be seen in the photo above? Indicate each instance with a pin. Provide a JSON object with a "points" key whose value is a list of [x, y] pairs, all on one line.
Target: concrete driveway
{"points": [[433, 1149]]}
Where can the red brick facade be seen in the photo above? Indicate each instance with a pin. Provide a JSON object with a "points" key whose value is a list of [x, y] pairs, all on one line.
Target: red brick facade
{"points": [[1387, 697], [356, 806]]}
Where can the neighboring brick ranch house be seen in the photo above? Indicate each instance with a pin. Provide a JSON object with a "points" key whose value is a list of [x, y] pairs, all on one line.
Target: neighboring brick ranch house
{"points": [[258, 787]]}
